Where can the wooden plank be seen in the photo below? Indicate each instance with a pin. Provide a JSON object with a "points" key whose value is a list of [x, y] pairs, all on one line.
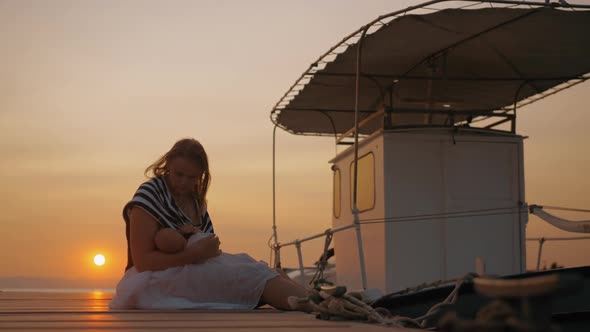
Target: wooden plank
{"points": [[155, 316], [165, 324], [89, 312], [223, 322]]}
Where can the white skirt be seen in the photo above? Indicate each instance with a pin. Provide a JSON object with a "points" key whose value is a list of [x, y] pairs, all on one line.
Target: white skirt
{"points": [[227, 281]]}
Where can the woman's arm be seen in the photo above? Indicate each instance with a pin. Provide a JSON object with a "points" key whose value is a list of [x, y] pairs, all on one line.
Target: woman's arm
{"points": [[146, 257]]}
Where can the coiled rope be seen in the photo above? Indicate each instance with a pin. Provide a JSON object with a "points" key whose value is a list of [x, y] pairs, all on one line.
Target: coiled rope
{"points": [[333, 302]]}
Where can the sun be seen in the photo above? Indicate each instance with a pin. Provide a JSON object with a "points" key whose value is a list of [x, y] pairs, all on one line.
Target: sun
{"points": [[99, 260]]}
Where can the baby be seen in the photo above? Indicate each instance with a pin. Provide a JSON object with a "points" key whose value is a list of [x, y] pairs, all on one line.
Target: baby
{"points": [[171, 241]]}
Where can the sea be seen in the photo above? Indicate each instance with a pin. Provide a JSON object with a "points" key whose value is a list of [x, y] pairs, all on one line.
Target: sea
{"points": [[58, 290]]}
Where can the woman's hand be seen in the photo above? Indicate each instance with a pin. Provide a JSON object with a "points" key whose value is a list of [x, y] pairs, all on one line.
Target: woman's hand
{"points": [[146, 256], [204, 249]]}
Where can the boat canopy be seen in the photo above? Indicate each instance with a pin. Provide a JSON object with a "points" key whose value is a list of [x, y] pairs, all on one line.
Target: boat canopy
{"points": [[441, 68]]}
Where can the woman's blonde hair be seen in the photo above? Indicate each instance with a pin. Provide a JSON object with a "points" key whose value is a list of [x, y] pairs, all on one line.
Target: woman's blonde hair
{"points": [[191, 150]]}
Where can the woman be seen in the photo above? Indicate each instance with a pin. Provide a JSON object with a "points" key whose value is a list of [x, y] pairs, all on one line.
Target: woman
{"points": [[175, 198]]}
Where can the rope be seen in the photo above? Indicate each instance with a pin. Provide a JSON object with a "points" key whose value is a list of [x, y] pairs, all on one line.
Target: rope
{"points": [[318, 277], [442, 214], [404, 219], [351, 306], [450, 300], [420, 287]]}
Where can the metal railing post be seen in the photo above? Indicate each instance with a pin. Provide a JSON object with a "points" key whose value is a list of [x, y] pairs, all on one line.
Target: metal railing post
{"points": [[275, 238], [541, 242], [355, 210], [300, 257], [277, 253]]}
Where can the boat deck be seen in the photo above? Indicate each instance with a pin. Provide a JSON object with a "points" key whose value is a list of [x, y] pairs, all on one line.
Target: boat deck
{"points": [[36, 311]]}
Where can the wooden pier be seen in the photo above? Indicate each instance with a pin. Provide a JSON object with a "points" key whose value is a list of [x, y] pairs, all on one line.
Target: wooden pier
{"points": [[39, 311]]}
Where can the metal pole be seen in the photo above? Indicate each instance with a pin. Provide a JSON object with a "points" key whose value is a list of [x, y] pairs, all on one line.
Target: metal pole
{"points": [[513, 123], [355, 209], [359, 240], [300, 256], [277, 262], [541, 242]]}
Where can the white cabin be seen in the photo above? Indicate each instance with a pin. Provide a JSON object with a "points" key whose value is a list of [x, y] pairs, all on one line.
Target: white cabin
{"points": [[430, 171]]}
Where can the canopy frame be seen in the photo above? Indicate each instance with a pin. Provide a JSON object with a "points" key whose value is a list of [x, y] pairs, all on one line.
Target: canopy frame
{"points": [[315, 70]]}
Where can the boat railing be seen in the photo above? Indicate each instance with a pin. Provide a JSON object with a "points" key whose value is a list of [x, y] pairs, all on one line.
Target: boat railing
{"points": [[297, 244], [276, 247], [542, 241], [573, 226]]}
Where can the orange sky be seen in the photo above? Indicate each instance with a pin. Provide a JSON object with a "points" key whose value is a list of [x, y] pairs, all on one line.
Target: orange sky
{"points": [[92, 92]]}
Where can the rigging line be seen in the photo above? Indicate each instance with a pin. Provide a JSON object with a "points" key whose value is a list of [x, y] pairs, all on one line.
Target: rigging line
{"points": [[447, 213], [558, 238], [441, 215], [545, 207], [392, 220]]}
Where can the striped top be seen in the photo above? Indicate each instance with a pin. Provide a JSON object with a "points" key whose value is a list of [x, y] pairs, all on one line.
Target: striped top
{"points": [[156, 199]]}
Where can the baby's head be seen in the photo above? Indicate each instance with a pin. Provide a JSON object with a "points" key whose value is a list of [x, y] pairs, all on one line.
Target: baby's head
{"points": [[169, 240]]}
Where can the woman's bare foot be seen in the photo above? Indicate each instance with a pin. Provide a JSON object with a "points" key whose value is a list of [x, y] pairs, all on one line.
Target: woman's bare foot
{"points": [[278, 292]]}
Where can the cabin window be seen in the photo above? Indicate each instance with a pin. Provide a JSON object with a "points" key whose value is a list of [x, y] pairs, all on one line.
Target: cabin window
{"points": [[366, 183], [336, 187]]}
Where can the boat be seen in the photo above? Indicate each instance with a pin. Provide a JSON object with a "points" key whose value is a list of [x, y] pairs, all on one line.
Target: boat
{"points": [[430, 186]]}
